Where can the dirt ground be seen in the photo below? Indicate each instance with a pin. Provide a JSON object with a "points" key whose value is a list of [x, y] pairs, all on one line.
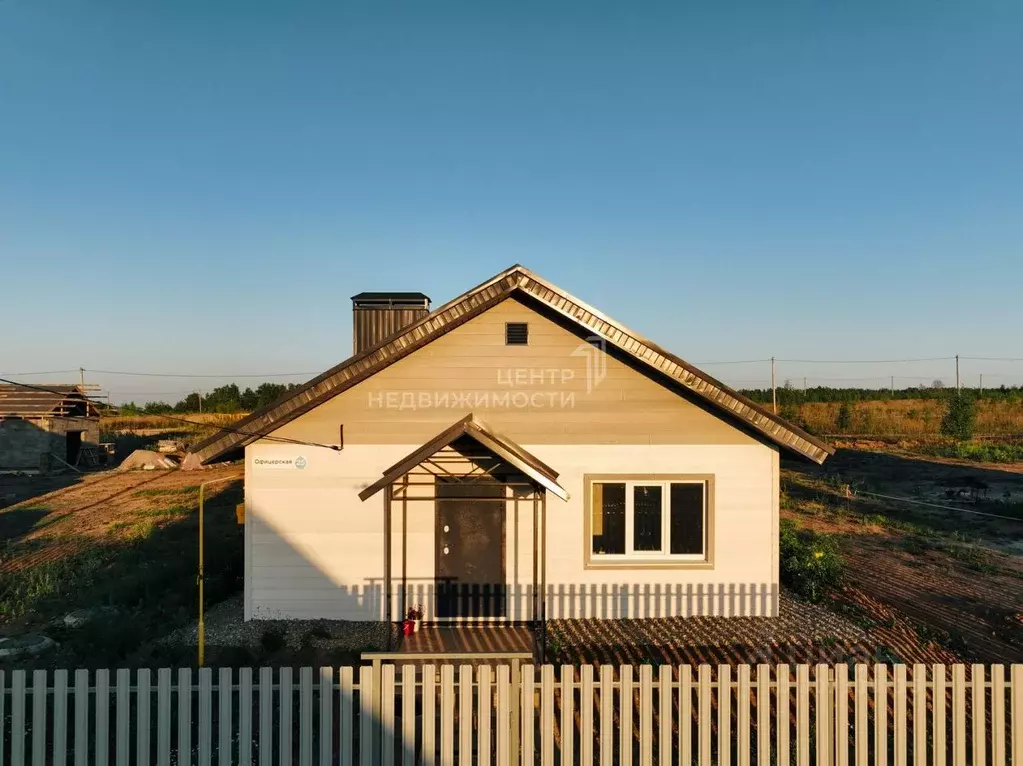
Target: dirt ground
{"points": [[933, 584]]}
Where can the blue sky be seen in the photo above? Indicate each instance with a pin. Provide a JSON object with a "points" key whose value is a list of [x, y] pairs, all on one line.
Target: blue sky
{"points": [[200, 187]]}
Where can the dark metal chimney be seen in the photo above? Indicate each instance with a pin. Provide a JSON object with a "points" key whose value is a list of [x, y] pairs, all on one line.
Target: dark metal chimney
{"points": [[376, 316]]}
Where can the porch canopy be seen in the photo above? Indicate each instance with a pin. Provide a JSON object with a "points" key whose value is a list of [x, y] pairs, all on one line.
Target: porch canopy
{"points": [[470, 476]]}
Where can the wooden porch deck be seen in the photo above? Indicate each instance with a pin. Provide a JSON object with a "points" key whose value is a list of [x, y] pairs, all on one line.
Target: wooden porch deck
{"points": [[467, 639]]}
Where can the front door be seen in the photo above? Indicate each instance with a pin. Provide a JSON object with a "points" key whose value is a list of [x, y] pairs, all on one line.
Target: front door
{"points": [[470, 549]]}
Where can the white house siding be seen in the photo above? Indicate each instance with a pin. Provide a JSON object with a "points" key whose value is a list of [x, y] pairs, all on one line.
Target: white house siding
{"points": [[313, 549]]}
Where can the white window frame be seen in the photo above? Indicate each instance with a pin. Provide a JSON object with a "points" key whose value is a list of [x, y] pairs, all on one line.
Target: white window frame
{"points": [[630, 523]]}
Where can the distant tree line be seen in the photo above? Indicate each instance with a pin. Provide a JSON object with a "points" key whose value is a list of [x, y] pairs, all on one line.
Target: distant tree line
{"points": [[790, 395], [224, 399]]}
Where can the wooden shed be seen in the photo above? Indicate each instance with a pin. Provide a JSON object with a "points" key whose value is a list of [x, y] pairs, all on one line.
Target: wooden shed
{"points": [[43, 427]]}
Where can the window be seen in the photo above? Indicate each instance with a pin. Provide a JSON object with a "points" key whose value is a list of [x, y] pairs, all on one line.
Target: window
{"points": [[516, 334], [662, 520]]}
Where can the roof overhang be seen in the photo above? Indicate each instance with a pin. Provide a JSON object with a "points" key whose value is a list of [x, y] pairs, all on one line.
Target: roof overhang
{"points": [[501, 446], [517, 281]]}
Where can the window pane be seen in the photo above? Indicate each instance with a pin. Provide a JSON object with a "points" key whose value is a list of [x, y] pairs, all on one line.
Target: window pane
{"points": [[646, 502], [687, 518], [608, 518]]}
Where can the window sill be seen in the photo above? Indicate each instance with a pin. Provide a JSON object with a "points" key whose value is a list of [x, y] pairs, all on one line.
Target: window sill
{"points": [[639, 563]]}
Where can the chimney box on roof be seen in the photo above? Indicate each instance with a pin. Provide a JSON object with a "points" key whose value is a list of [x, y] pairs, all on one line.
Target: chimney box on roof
{"points": [[376, 316]]}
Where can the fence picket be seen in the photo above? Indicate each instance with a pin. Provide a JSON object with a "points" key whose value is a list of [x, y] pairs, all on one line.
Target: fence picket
{"points": [[205, 716], [59, 718], [122, 743], [3, 716], [646, 714], [899, 721], [783, 724], [803, 715], [607, 712], [841, 737], [724, 715], [245, 716], [861, 743], [184, 716], [546, 716], [586, 732], [408, 715], [18, 718], [366, 713], [959, 715], [625, 714], [998, 715], [81, 717], [938, 722], [920, 715], [823, 744], [326, 725], [429, 715], [763, 715], [266, 724], [465, 710], [881, 714], [163, 717], [527, 715], [703, 695], [39, 685], [567, 714], [978, 714], [742, 719], [386, 722], [1016, 711], [346, 716], [664, 715], [447, 715], [503, 716], [225, 722], [484, 703], [305, 716], [285, 701], [143, 703]]}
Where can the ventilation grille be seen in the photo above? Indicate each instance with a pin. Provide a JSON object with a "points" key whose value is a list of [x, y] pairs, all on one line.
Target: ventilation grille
{"points": [[516, 334]]}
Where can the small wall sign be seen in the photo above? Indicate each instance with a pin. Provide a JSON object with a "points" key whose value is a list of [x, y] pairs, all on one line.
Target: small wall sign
{"points": [[280, 463]]}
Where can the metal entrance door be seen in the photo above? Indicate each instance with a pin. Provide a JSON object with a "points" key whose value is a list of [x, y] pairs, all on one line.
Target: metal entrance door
{"points": [[470, 544]]}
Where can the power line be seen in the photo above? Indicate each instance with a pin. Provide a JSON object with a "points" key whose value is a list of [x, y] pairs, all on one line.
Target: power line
{"points": [[993, 358], [739, 361], [870, 361], [32, 374], [203, 375], [257, 434]]}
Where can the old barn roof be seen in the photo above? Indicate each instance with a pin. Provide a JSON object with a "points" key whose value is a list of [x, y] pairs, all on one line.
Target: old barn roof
{"points": [[514, 281], [49, 399]]}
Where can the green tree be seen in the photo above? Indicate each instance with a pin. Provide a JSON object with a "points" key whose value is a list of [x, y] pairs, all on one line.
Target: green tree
{"points": [[959, 417]]}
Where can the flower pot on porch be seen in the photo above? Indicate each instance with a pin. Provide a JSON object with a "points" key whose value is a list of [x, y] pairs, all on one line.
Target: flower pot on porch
{"points": [[408, 627], [416, 625]]}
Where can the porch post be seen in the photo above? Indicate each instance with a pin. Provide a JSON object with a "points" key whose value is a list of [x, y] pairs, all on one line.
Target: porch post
{"points": [[404, 547], [387, 559], [543, 577], [536, 533]]}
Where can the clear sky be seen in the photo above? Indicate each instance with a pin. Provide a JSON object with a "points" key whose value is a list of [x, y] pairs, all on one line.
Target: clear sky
{"points": [[200, 186]]}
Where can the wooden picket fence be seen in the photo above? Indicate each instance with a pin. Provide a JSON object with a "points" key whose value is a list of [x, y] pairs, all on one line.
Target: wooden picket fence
{"points": [[482, 715]]}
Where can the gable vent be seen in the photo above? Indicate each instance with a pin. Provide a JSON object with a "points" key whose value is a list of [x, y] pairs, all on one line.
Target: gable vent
{"points": [[516, 334]]}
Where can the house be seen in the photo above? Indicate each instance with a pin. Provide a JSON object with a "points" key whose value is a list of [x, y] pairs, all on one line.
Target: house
{"points": [[511, 456], [42, 427]]}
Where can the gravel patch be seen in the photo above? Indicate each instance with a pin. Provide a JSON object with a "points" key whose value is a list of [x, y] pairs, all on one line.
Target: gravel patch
{"points": [[225, 627]]}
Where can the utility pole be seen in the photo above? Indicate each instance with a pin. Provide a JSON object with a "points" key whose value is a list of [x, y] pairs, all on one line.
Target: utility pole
{"points": [[982, 384], [804, 384], [81, 376], [957, 373], [199, 394], [893, 385], [774, 389]]}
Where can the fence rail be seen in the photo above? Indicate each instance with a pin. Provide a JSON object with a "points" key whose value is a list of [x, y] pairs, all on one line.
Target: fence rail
{"points": [[444, 714]]}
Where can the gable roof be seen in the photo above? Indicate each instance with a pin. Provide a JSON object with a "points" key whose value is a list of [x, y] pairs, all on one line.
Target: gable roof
{"points": [[516, 280], [43, 400], [501, 446]]}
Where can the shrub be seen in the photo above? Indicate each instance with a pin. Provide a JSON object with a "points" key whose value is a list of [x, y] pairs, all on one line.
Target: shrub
{"points": [[959, 417], [272, 640], [843, 423], [810, 563]]}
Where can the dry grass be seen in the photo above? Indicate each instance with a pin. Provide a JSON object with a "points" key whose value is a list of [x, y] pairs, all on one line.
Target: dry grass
{"points": [[144, 422], [910, 417]]}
